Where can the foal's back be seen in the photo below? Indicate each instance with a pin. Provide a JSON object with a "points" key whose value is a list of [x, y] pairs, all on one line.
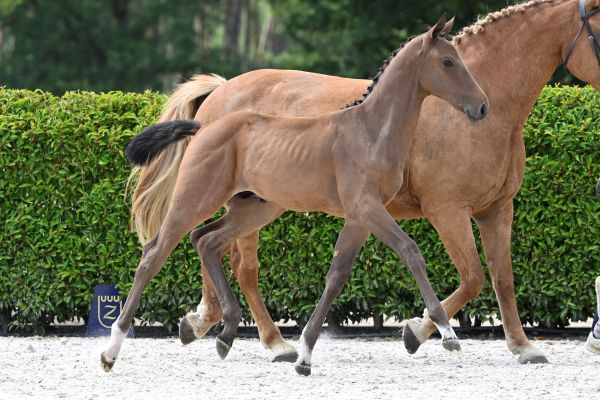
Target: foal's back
{"points": [[289, 161]]}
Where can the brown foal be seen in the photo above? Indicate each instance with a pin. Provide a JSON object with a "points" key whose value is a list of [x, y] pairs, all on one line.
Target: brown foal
{"points": [[474, 176], [348, 163]]}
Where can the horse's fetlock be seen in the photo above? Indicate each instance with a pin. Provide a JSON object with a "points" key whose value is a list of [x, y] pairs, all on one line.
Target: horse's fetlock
{"points": [[437, 313]]}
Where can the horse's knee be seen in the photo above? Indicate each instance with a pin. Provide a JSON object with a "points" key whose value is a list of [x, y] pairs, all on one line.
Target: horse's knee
{"points": [[472, 283], [412, 256], [503, 283]]}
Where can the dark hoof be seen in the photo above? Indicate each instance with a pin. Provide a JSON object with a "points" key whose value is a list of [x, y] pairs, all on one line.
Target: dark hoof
{"points": [[303, 369], [411, 343], [287, 357], [534, 360], [451, 345], [222, 348], [186, 332], [106, 363]]}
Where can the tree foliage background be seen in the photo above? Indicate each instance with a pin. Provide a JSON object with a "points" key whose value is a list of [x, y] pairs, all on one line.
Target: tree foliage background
{"points": [[133, 45]]}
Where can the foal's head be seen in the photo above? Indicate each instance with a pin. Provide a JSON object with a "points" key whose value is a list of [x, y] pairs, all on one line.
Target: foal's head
{"points": [[444, 75]]}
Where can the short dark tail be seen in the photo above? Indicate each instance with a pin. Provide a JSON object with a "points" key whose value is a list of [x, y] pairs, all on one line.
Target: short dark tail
{"points": [[153, 139]]}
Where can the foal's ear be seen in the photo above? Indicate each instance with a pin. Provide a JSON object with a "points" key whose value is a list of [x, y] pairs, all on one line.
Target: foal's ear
{"points": [[438, 28], [448, 27]]}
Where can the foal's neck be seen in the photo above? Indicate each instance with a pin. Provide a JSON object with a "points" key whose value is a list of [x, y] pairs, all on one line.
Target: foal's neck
{"points": [[391, 111], [515, 56]]}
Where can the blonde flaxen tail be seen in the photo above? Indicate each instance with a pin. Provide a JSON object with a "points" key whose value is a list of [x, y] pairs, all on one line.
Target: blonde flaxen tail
{"points": [[154, 182]]}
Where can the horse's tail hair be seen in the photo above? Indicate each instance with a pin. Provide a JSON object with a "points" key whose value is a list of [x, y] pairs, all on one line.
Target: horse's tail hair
{"points": [[152, 140], [154, 181]]}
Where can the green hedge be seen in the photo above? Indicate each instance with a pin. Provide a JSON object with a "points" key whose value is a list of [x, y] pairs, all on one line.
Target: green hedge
{"points": [[66, 222]]}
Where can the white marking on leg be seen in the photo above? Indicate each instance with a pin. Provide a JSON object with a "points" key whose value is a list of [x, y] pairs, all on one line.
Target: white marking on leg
{"points": [[198, 320], [447, 333], [304, 353], [202, 308], [116, 340], [598, 294]]}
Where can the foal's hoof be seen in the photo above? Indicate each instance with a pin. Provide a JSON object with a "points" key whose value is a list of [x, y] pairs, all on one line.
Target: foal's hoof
{"points": [[186, 332], [222, 348], [451, 345], [106, 363], [411, 342], [286, 357], [303, 369]]}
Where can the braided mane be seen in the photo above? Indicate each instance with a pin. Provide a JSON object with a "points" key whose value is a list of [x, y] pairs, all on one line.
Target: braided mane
{"points": [[480, 25], [473, 29]]}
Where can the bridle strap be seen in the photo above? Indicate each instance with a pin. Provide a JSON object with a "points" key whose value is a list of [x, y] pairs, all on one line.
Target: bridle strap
{"points": [[585, 23]]}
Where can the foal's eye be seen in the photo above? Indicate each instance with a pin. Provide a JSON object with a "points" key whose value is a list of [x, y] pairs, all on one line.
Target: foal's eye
{"points": [[448, 63]]}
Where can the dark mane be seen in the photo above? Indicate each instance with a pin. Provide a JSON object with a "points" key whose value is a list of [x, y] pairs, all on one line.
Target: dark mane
{"points": [[382, 68]]}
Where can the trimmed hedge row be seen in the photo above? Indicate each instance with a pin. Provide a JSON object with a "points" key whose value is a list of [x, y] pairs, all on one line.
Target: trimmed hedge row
{"points": [[66, 229]]}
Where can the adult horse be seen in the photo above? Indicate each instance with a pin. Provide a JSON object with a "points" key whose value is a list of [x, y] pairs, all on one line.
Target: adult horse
{"points": [[347, 163], [455, 173]]}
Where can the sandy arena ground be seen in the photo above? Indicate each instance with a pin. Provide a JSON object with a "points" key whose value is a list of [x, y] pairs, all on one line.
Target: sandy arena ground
{"points": [[68, 368]]}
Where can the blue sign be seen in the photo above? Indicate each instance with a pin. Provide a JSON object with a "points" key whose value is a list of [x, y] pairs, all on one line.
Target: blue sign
{"points": [[107, 305]]}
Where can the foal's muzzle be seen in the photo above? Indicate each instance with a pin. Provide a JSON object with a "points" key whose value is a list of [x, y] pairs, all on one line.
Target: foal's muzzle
{"points": [[476, 113]]}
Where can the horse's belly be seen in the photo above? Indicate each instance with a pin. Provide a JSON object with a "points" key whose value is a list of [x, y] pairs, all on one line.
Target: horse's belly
{"points": [[296, 190]]}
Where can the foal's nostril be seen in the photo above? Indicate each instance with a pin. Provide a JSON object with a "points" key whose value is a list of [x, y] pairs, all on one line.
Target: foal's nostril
{"points": [[484, 110]]}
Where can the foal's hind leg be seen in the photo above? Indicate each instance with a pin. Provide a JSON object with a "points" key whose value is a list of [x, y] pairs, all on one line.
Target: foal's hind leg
{"points": [[211, 246], [177, 223], [198, 194], [244, 263], [194, 325]]}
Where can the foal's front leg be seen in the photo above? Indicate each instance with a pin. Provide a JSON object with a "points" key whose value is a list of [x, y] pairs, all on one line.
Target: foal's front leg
{"points": [[456, 232], [375, 217], [351, 239]]}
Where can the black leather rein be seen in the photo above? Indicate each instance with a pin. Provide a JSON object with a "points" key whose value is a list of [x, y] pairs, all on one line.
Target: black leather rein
{"points": [[585, 23]]}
